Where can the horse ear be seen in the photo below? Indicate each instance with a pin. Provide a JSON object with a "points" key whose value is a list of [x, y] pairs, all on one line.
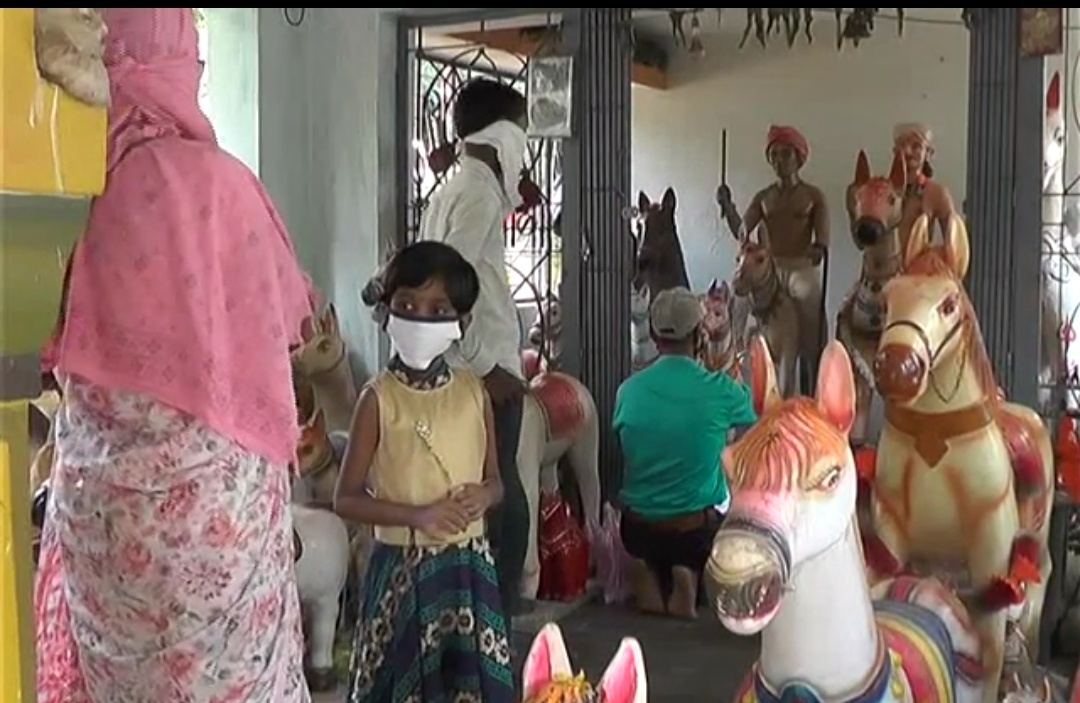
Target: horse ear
{"points": [[643, 203], [918, 239], [308, 329], [957, 247], [725, 290], [762, 376], [898, 171], [836, 387], [1053, 94], [317, 424], [547, 659], [330, 321], [862, 168], [624, 679], [668, 201]]}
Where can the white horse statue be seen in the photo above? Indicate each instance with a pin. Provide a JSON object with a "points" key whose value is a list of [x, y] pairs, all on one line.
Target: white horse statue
{"points": [[788, 563], [642, 347], [547, 676]]}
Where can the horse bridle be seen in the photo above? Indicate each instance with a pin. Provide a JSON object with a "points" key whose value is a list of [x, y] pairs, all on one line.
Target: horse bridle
{"points": [[933, 354]]}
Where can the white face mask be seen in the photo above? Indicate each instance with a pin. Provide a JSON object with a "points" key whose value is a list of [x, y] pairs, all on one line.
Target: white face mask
{"points": [[419, 342]]}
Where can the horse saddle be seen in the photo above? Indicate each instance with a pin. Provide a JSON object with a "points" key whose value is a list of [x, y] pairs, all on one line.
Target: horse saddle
{"points": [[298, 546]]}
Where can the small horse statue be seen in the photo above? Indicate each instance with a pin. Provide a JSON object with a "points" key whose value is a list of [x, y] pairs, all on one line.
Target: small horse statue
{"points": [[773, 311], [964, 481], [788, 563], [642, 347], [875, 208], [719, 350], [548, 678], [1060, 256], [546, 332], [324, 361], [660, 261]]}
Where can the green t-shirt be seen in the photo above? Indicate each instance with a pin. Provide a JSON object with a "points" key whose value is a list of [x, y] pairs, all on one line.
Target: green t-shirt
{"points": [[672, 419]]}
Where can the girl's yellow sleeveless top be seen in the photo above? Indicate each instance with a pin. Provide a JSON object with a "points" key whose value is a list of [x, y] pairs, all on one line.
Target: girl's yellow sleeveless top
{"points": [[430, 442]]}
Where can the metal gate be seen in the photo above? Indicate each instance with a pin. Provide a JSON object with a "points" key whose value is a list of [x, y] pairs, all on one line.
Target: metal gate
{"points": [[533, 247]]}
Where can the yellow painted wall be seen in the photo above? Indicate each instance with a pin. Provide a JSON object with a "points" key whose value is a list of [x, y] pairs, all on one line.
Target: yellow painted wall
{"points": [[16, 597]]}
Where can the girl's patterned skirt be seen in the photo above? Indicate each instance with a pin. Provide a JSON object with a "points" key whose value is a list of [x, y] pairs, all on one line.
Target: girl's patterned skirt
{"points": [[431, 628]]}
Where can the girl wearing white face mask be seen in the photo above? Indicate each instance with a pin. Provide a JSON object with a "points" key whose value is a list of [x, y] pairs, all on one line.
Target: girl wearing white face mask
{"points": [[421, 467]]}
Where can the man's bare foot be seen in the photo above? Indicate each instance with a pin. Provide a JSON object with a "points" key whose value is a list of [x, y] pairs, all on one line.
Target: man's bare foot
{"points": [[683, 601], [647, 596]]}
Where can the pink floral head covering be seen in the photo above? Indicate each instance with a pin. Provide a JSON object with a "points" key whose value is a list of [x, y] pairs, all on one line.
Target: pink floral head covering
{"points": [[185, 286]]}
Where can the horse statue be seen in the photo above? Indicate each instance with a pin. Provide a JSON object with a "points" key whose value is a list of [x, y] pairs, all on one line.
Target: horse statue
{"points": [[875, 208], [720, 350], [964, 481], [660, 261], [546, 332], [1060, 256], [773, 312], [548, 678], [324, 361], [787, 563]]}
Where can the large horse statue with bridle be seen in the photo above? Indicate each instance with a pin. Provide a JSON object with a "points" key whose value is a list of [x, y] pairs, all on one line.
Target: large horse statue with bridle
{"points": [[875, 209], [964, 480]]}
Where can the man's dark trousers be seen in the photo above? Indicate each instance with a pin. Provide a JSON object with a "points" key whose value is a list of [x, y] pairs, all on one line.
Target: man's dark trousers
{"points": [[509, 528]]}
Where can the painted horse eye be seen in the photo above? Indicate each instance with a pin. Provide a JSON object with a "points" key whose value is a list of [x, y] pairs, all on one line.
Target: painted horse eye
{"points": [[948, 306], [831, 479]]}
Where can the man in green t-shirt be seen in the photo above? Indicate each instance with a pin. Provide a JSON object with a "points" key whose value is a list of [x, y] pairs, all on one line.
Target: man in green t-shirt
{"points": [[673, 419]]}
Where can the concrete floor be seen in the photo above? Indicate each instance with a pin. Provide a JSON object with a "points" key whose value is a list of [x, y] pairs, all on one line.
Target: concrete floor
{"points": [[685, 661]]}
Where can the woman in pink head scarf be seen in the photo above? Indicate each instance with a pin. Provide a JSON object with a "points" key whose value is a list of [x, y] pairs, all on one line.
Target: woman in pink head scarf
{"points": [[167, 562]]}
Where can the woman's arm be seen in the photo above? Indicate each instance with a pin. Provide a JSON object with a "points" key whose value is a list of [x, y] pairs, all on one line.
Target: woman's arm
{"points": [[351, 499]]}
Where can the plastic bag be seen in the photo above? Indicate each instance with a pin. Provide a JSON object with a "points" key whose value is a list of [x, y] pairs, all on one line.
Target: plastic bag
{"points": [[564, 552], [611, 560]]}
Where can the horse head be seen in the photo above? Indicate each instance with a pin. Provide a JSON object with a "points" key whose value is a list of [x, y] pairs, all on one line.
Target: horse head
{"points": [[657, 235], [929, 319], [716, 326], [875, 203], [793, 482], [323, 348], [70, 44], [640, 299], [548, 678], [548, 323], [753, 265]]}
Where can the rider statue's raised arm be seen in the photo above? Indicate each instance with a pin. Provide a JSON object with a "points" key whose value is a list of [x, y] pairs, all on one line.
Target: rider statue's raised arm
{"points": [[923, 195]]}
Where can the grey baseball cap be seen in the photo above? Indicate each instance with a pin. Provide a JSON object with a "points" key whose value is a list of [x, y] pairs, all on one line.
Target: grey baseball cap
{"points": [[675, 313]]}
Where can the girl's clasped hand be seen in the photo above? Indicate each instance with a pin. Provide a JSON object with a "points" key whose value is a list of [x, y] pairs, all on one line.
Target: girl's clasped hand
{"points": [[451, 515]]}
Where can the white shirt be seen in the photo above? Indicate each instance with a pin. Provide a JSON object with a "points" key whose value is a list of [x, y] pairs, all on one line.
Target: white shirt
{"points": [[467, 213]]}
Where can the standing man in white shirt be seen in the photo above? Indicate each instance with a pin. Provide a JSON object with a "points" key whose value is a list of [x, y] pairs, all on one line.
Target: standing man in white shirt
{"points": [[468, 213]]}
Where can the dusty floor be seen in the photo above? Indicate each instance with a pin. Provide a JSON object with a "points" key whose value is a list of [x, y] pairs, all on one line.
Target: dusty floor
{"points": [[698, 661]]}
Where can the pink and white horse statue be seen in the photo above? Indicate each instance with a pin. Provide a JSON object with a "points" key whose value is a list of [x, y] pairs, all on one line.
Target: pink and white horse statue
{"points": [[548, 678], [788, 563]]}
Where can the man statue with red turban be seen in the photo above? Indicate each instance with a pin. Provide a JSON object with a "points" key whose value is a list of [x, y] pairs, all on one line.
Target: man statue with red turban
{"points": [[794, 224], [923, 195]]}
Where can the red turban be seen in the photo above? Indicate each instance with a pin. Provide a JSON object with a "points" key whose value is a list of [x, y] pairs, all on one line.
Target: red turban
{"points": [[789, 136]]}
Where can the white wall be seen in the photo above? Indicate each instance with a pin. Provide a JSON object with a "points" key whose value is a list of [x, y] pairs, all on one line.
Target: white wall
{"points": [[842, 102], [231, 74]]}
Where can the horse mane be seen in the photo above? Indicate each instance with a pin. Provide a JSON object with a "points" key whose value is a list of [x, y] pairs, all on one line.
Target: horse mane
{"points": [[932, 262], [568, 689], [793, 434]]}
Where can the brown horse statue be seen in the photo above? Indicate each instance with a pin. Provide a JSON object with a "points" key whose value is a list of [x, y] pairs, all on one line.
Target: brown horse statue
{"points": [[324, 361], [773, 313], [548, 678], [875, 208], [964, 481], [660, 261]]}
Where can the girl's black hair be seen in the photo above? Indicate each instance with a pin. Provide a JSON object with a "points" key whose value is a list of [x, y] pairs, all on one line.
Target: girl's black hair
{"points": [[420, 262], [482, 102]]}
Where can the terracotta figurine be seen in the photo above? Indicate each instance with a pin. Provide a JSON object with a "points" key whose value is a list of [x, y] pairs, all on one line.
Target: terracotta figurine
{"points": [[923, 195], [796, 231]]}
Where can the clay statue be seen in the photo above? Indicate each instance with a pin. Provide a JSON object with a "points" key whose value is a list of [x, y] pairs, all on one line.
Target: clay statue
{"points": [[660, 261], [720, 347], [874, 205], [70, 43], [642, 348], [547, 676], [774, 314], [788, 563], [923, 196], [546, 332], [964, 481], [794, 225], [324, 361], [1060, 258]]}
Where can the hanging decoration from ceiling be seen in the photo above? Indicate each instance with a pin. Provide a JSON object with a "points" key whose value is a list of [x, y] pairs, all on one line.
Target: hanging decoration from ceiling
{"points": [[853, 25]]}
